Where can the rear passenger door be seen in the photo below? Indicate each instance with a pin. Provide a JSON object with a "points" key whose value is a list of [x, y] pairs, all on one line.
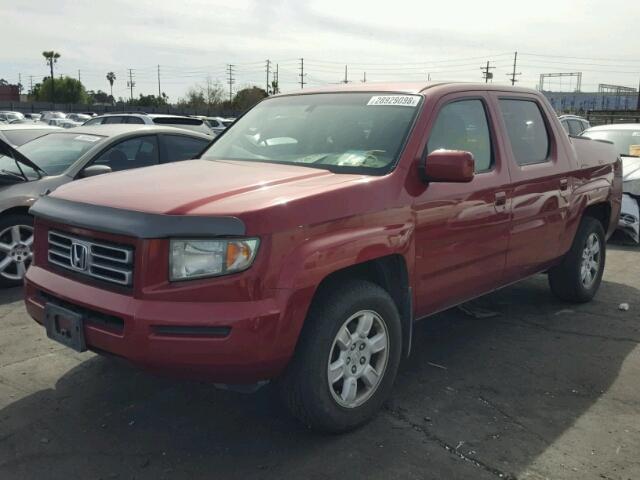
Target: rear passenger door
{"points": [[540, 183], [181, 147]]}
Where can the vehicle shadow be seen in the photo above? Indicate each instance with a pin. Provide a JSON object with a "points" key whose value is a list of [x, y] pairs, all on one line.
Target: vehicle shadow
{"points": [[477, 398]]}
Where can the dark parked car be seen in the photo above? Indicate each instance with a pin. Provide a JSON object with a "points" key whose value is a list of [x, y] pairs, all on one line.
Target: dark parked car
{"points": [[58, 157]]}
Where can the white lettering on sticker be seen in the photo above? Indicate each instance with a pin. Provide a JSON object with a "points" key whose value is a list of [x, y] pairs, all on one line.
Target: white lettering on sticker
{"points": [[399, 100], [87, 138]]}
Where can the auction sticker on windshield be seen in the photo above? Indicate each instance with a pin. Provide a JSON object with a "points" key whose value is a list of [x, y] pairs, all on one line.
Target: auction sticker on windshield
{"points": [[87, 138], [395, 100]]}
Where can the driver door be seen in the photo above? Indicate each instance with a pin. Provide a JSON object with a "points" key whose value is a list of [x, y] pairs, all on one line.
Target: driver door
{"points": [[462, 229]]}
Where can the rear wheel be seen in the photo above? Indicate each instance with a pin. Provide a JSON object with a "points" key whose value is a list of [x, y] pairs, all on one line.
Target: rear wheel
{"points": [[577, 278], [346, 360], [16, 243]]}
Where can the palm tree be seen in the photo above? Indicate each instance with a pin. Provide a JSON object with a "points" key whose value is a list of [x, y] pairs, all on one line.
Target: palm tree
{"points": [[51, 57], [112, 78]]}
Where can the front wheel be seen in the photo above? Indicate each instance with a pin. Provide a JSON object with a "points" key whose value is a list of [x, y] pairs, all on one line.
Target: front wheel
{"points": [[577, 278], [16, 243], [347, 358]]}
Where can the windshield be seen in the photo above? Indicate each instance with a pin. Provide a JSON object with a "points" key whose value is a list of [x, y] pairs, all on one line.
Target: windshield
{"points": [[53, 153], [627, 142], [20, 137], [341, 132]]}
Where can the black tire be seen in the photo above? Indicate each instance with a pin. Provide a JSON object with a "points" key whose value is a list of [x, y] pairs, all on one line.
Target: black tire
{"points": [[8, 221], [305, 385], [565, 279]]}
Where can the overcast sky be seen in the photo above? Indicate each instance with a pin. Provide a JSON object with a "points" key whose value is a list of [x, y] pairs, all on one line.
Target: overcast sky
{"points": [[193, 39]]}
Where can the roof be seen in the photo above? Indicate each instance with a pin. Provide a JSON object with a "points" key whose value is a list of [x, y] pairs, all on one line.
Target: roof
{"points": [[617, 126], [409, 87], [28, 126], [141, 114], [113, 129]]}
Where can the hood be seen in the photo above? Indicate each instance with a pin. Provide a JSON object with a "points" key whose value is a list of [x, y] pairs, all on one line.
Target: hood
{"points": [[203, 187], [10, 151]]}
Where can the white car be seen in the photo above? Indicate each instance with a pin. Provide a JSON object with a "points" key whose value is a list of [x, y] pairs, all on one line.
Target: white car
{"points": [[9, 116], [626, 138], [178, 121], [217, 124], [46, 116], [19, 134]]}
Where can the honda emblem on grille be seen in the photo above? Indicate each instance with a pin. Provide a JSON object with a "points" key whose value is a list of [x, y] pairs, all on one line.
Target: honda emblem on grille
{"points": [[79, 253]]}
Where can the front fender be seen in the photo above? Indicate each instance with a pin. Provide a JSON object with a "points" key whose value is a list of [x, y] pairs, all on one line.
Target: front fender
{"points": [[312, 261]]}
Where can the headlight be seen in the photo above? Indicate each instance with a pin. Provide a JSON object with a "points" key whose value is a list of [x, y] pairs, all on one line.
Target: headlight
{"points": [[208, 258]]}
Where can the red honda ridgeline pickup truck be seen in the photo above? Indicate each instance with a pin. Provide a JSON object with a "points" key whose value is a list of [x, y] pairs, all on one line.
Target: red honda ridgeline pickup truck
{"points": [[311, 235]]}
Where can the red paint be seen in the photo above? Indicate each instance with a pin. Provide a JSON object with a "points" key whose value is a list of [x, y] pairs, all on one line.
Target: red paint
{"points": [[458, 240]]}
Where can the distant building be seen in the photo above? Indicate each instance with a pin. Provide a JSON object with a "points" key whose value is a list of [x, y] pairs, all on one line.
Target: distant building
{"points": [[583, 101], [9, 93]]}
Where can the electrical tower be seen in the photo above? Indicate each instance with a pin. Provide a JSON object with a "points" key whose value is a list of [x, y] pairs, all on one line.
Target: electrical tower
{"points": [[514, 74], [486, 72], [230, 81], [302, 74]]}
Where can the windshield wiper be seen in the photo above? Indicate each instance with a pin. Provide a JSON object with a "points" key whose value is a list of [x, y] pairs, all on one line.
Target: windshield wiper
{"points": [[9, 173]]}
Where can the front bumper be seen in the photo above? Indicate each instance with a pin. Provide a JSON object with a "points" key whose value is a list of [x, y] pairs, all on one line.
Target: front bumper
{"points": [[226, 342]]}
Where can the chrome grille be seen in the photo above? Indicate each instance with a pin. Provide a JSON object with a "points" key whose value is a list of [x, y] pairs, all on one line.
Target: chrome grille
{"points": [[111, 263]]}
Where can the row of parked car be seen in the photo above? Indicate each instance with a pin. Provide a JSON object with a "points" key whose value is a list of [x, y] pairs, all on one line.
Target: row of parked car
{"points": [[198, 123]]}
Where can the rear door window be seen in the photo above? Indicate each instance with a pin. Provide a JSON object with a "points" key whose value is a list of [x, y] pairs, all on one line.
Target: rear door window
{"points": [[526, 130], [136, 120], [181, 147], [115, 119], [132, 153]]}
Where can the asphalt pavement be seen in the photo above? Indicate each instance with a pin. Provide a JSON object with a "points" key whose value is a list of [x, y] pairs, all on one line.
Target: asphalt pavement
{"points": [[539, 389]]}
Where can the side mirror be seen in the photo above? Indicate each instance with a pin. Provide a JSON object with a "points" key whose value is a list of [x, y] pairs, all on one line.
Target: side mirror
{"points": [[93, 170], [454, 166]]}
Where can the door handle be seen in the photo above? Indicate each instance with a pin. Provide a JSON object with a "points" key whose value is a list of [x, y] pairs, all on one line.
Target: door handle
{"points": [[564, 184], [501, 199]]}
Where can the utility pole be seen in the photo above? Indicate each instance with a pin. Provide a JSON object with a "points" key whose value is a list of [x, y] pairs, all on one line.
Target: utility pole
{"points": [[638, 106], [268, 69], [159, 90], [346, 75], [486, 72], [514, 74], [31, 84], [131, 83], [19, 83], [79, 77], [364, 77], [231, 81], [277, 79], [302, 82]]}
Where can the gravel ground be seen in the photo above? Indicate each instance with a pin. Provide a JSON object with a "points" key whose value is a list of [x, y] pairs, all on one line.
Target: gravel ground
{"points": [[541, 390]]}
